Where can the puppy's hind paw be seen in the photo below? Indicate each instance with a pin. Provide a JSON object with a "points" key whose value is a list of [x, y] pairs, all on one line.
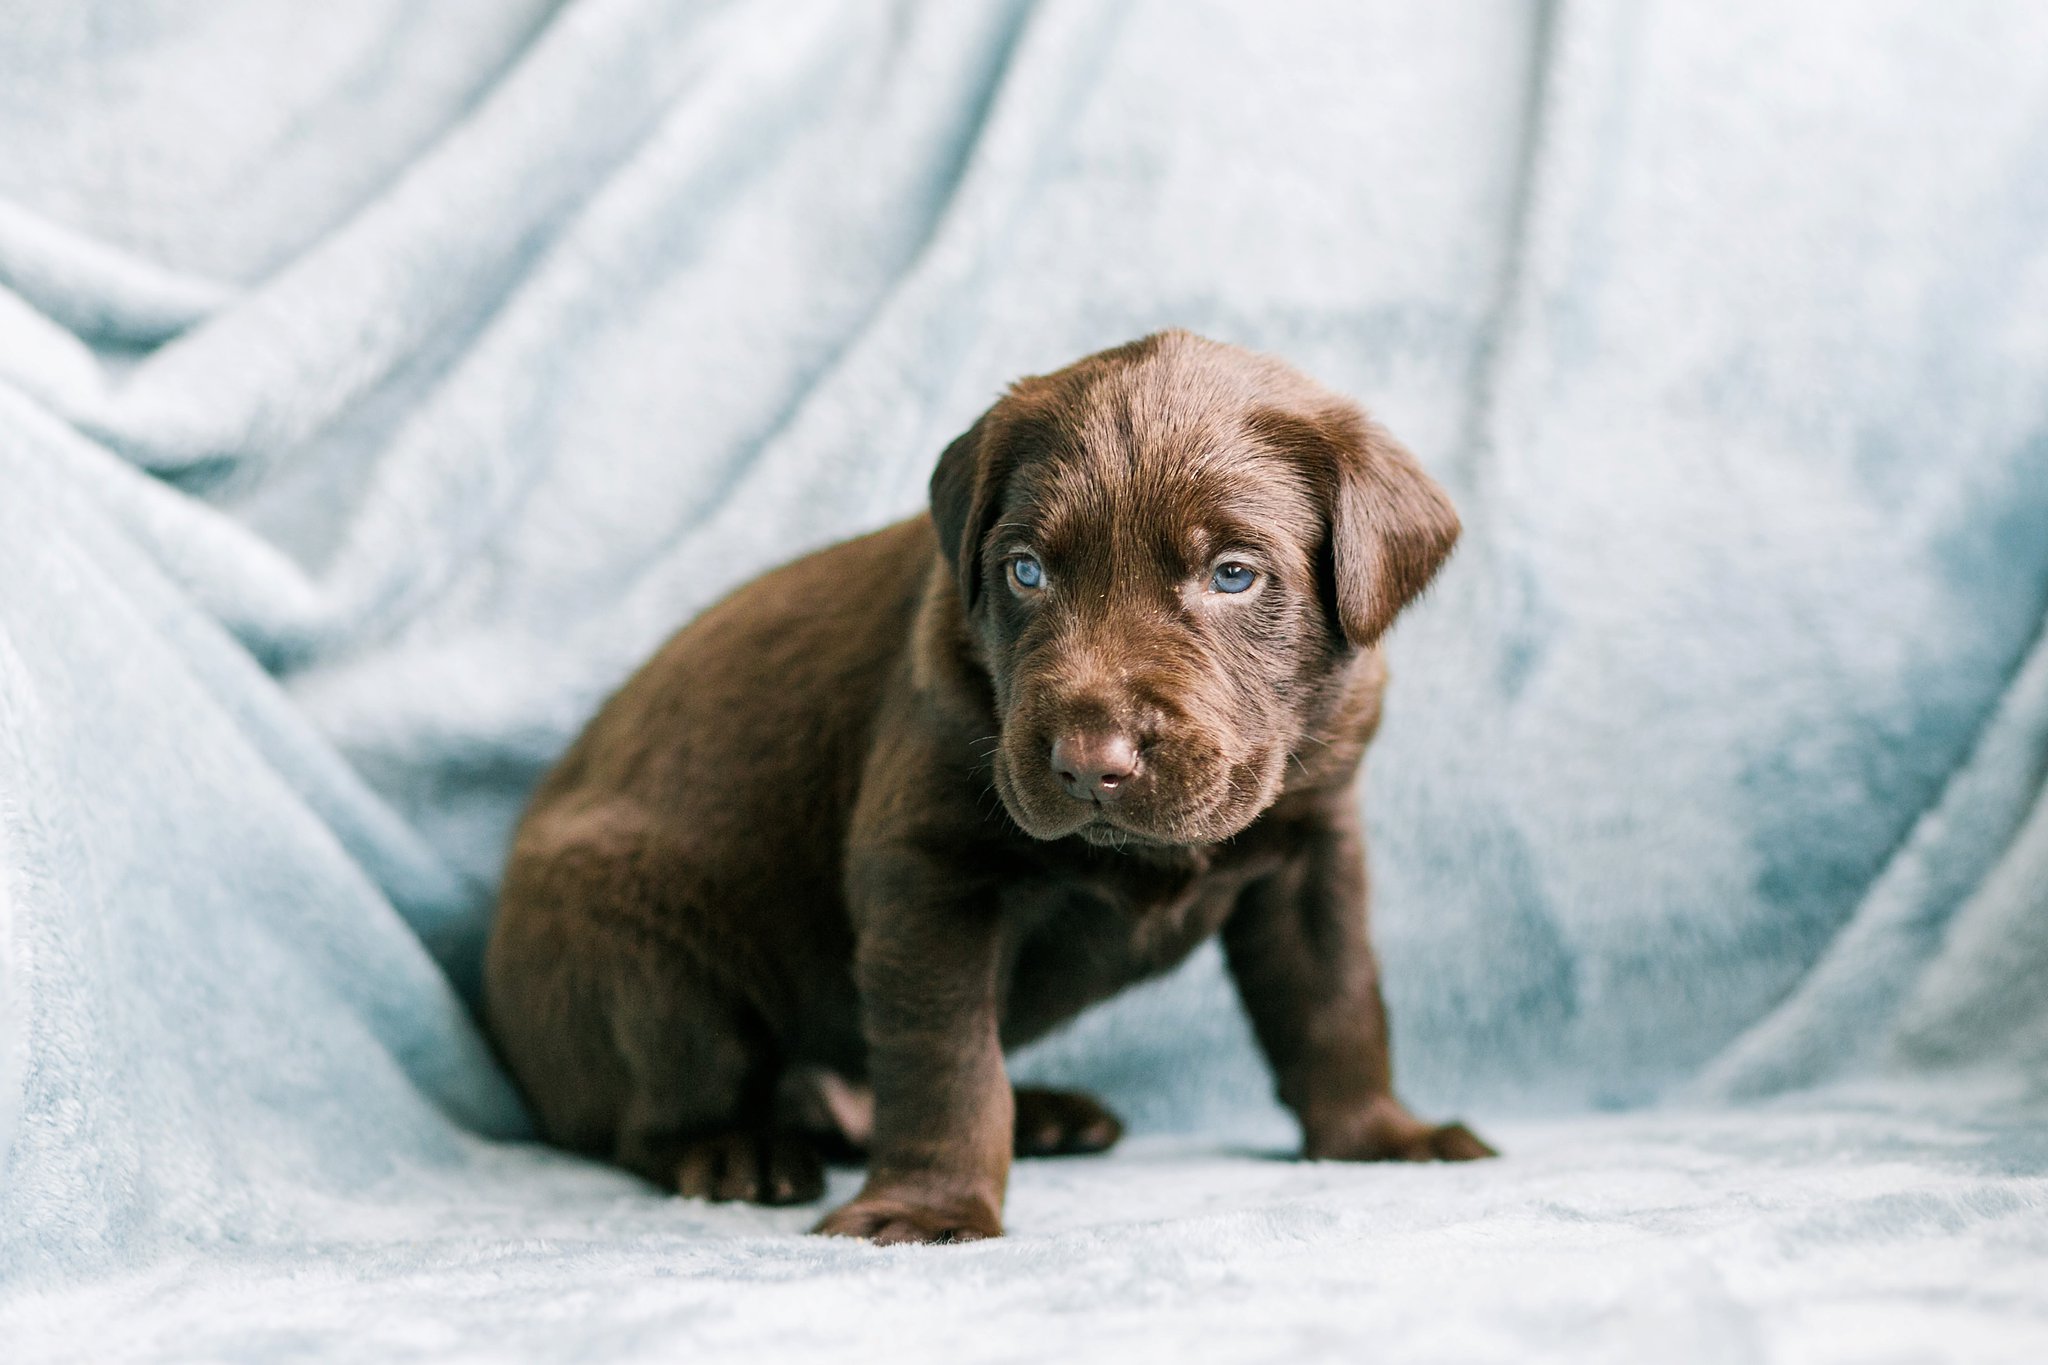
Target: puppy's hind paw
{"points": [[1063, 1122], [772, 1167]]}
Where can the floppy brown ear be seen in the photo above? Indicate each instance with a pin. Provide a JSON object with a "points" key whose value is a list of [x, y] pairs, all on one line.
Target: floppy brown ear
{"points": [[1391, 526], [965, 487]]}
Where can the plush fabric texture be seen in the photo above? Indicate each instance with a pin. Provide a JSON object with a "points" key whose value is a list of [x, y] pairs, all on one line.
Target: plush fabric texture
{"points": [[380, 382]]}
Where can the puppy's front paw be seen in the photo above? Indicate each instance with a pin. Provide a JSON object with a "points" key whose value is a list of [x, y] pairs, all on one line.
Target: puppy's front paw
{"points": [[1385, 1131], [890, 1218], [1456, 1142]]}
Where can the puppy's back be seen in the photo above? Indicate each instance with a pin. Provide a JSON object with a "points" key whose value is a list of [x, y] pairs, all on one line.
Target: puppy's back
{"points": [[761, 703]]}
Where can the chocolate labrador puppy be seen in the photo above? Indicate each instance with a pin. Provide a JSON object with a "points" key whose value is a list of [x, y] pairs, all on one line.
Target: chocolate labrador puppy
{"points": [[918, 798]]}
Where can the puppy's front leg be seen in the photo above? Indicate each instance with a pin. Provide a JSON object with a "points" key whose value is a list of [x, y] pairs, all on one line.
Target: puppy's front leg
{"points": [[1303, 962], [939, 1157]]}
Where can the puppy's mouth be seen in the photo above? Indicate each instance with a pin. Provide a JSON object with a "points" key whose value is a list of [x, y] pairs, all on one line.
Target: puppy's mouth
{"points": [[1106, 833], [1202, 812]]}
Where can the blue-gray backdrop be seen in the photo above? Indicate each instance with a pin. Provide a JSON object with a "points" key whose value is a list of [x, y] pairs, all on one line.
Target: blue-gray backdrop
{"points": [[380, 382]]}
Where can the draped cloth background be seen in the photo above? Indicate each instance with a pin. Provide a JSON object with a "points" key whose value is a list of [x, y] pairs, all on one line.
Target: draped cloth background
{"points": [[380, 382]]}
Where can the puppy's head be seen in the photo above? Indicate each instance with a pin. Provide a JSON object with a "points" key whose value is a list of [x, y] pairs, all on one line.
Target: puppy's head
{"points": [[1166, 552]]}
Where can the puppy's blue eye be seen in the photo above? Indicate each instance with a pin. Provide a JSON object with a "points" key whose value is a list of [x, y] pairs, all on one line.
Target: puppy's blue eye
{"points": [[1028, 572], [1232, 578]]}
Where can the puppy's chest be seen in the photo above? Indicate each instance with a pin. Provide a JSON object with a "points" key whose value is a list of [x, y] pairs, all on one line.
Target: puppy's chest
{"points": [[1155, 920], [1085, 936]]}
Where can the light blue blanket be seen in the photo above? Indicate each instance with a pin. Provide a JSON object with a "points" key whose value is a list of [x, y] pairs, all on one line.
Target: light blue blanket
{"points": [[379, 382]]}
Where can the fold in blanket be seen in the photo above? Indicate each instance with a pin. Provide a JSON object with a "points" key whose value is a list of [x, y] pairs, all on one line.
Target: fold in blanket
{"points": [[379, 383]]}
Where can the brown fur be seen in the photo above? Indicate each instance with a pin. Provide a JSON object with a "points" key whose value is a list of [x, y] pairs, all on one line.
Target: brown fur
{"points": [[811, 872]]}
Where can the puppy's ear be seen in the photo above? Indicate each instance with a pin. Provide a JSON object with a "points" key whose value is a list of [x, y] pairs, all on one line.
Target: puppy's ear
{"points": [[1390, 525], [965, 489]]}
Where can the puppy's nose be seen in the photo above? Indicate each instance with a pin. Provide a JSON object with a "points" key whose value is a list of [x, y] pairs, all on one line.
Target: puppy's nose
{"points": [[1095, 767]]}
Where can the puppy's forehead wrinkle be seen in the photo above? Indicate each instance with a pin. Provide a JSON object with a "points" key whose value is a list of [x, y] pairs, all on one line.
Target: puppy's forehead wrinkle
{"points": [[1133, 423]]}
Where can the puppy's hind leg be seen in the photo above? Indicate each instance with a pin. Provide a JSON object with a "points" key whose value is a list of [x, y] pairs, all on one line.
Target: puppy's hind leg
{"points": [[699, 1118], [623, 1040]]}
